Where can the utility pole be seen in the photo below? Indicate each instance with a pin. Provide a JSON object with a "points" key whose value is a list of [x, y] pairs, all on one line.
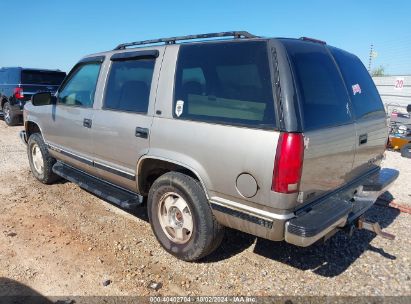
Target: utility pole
{"points": [[370, 58]]}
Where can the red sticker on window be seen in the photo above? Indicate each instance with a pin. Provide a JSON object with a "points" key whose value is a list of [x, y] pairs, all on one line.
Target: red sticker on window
{"points": [[356, 89]]}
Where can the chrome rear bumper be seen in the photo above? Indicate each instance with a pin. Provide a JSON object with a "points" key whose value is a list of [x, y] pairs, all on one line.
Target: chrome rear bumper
{"points": [[312, 222], [322, 218]]}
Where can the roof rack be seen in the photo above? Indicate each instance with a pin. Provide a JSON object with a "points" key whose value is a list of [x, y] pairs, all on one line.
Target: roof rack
{"points": [[172, 40]]}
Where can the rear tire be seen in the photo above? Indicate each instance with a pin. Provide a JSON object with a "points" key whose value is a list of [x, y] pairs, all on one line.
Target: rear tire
{"points": [[9, 118], [41, 163], [181, 218], [406, 151]]}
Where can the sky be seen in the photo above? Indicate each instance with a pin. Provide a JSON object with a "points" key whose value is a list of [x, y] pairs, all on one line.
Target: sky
{"points": [[56, 34]]}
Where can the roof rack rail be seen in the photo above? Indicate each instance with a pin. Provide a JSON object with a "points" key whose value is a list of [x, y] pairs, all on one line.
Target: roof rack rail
{"points": [[172, 40]]}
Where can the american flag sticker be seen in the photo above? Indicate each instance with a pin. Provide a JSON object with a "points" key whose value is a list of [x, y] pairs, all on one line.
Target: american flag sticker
{"points": [[356, 89]]}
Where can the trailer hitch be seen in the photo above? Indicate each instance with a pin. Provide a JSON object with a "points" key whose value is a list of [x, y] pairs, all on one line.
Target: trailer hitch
{"points": [[362, 223]]}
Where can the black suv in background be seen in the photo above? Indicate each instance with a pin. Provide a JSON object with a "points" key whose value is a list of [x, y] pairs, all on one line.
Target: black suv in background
{"points": [[17, 85]]}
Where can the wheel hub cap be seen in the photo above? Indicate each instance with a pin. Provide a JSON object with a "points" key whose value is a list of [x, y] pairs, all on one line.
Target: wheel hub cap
{"points": [[37, 158], [6, 113], [175, 218]]}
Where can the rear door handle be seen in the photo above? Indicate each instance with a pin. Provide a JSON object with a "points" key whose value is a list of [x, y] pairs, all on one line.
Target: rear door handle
{"points": [[363, 139], [141, 132], [87, 123]]}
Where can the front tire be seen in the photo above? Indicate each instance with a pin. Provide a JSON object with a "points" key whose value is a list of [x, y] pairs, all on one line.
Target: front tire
{"points": [[41, 163], [181, 217], [9, 118]]}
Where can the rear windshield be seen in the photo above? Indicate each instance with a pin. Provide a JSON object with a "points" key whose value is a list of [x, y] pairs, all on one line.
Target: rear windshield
{"points": [[225, 83], [364, 95], [324, 99], [42, 77]]}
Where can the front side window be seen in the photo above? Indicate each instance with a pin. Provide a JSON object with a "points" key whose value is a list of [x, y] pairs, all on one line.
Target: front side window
{"points": [[128, 85], [323, 97], [80, 88], [226, 83]]}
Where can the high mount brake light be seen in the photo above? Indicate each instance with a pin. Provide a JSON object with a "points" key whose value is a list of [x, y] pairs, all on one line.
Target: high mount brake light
{"points": [[288, 163], [313, 40]]}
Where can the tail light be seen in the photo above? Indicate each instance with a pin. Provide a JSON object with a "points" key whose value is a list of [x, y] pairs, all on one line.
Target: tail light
{"points": [[288, 163], [18, 93]]}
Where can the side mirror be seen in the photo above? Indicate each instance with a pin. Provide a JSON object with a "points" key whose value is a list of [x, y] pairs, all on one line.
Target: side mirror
{"points": [[42, 99], [409, 108]]}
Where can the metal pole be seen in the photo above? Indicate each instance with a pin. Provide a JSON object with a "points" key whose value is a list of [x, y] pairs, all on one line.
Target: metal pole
{"points": [[370, 58]]}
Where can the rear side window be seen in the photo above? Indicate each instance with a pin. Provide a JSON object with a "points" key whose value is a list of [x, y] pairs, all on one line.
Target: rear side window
{"points": [[42, 77], [364, 95], [324, 99], [225, 83], [128, 86], [12, 76]]}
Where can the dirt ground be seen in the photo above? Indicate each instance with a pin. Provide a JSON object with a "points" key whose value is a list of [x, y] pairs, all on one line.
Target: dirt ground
{"points": [[60, 240]]}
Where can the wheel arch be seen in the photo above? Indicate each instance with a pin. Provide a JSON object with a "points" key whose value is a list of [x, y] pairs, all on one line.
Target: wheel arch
{"points": [[149, 168], [31, 127]]}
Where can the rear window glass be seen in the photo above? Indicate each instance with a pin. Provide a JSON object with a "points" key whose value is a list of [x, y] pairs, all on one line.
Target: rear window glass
{"points": [[225, 83], [42, 77], [3, 76], [364, 95], [128, 86], [324, 99]]}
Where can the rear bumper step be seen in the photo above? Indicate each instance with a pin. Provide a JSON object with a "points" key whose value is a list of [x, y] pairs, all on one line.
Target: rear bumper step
{"points": [[379, 182], [324, 217], [321, 219], [104, 190]]}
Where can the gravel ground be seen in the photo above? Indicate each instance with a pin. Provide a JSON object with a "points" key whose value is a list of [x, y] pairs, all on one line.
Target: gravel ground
{"points": [[60, 240], [401, 190]]}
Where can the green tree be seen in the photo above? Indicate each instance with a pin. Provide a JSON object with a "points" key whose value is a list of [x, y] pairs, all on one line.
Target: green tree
{"points": [[380, 71]]}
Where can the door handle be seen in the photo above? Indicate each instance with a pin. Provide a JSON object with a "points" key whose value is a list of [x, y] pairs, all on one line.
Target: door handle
{"points": [[363, 139], [141, 132], [87, 123]]}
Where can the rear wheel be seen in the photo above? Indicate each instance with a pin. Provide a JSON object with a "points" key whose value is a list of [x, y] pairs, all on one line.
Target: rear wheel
{"points": [[41, 163], [9, 118], [181, 217], [406, 151]]}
